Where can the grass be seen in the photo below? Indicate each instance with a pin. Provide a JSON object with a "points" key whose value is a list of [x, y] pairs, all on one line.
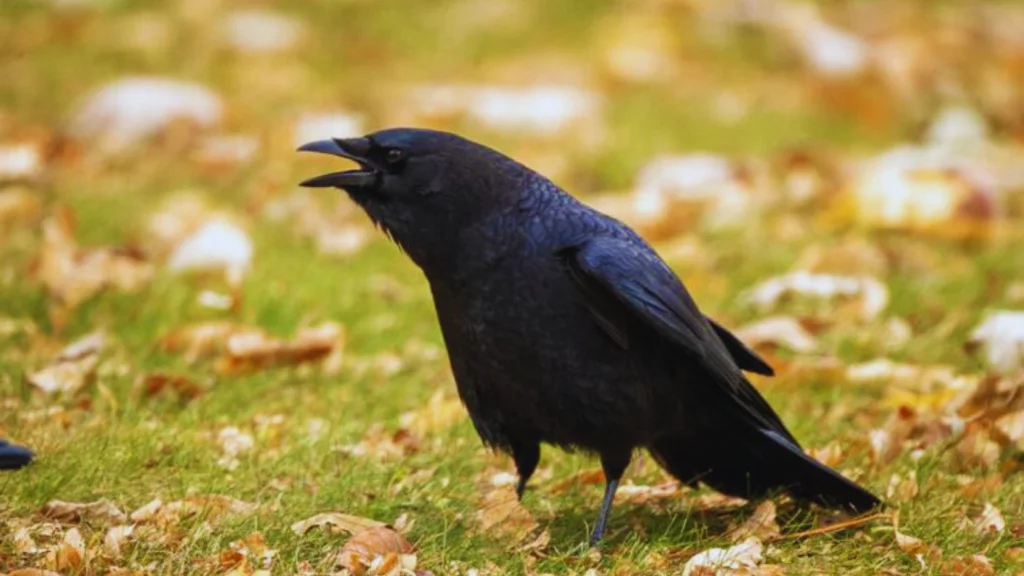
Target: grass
{"points": [[130, 448]]}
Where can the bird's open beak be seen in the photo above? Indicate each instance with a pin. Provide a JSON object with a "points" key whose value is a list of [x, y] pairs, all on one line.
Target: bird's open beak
{"points": [[355, 149]]}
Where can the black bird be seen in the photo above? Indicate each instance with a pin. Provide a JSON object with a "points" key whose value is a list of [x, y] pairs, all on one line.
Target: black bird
{"points": [[13, 457], [564, 327]]}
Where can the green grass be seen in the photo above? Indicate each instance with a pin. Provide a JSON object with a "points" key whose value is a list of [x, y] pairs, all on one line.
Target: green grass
{"points": [[129, 448]]}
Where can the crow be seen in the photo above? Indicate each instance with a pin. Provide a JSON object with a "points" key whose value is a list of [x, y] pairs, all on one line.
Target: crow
{"points": [[564, 327], [13, 457]]}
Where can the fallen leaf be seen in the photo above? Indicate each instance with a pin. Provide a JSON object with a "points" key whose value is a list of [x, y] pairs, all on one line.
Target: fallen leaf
{"points": [[218, 245], [761, 524], [72, 275], [902, 488], [70, 554], [378, 443], [784, 331], [538, 545], [254, 350], [181, 386], [99, 512], [123, 113], [990, 521], [869, 294], [1001, 337], [925, 190], [642, 494], [925, 554], [147, 512], [580, 478], [336, 522], [716, 189], [501, 512], [211, 507], [70, 370], [116, 537], [364, 549], [202, 339], [738, 560], [976, 565]]}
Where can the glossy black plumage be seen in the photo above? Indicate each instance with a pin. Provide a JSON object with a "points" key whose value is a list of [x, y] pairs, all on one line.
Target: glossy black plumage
{"points": [[564, 327], [13, 457]]}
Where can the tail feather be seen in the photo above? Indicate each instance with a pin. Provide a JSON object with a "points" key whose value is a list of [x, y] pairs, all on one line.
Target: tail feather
{"points": [[753, 463]]}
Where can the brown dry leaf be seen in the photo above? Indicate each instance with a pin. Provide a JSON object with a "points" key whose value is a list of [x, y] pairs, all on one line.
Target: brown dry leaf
{"points": [[581, 478], [716, 501], [761, 524], [378, 443], [925, 554], [976, 565], [69, 555], [99, 512], [739, 560], [994, 397], [990, 521], [72, 275], [33, 572], [778, 331], [23, 541], [183, 387], [642, 494], [984, 487], [72, 368], [336, 522], [253, 351], [902, 488], [242, 555], [370, 551], [116, 537], [147, 512], [195, 341], [867, 294], [213, 507], [978, 449], [538, 545], [501, 512], [915, 378]]}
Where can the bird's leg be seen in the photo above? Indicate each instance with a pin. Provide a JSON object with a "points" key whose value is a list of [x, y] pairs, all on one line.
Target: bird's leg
{"points": [[526, 455], [614, 465]]}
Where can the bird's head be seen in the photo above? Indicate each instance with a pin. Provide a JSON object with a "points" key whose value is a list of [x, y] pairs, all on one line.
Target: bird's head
{"points": [[422, 187]]}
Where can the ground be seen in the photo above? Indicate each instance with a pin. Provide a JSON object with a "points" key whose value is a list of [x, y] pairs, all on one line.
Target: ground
{"points": [[351, 433]]}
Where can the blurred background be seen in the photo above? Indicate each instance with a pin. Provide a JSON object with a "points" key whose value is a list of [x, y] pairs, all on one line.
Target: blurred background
{"points": [[841, 180]]}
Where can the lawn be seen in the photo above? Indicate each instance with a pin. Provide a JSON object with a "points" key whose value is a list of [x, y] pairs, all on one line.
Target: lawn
{"points": [[339, 397]]}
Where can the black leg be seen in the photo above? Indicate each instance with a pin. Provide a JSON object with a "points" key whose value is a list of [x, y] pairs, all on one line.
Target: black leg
{"points": [[614, 465], [526, 456]]}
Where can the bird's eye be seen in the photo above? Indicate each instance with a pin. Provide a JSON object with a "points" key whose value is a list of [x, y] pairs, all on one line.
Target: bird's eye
{"points": [[394, 156]]}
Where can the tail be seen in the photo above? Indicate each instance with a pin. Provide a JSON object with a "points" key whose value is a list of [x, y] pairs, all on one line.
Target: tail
{"points": [[751, 462]]}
